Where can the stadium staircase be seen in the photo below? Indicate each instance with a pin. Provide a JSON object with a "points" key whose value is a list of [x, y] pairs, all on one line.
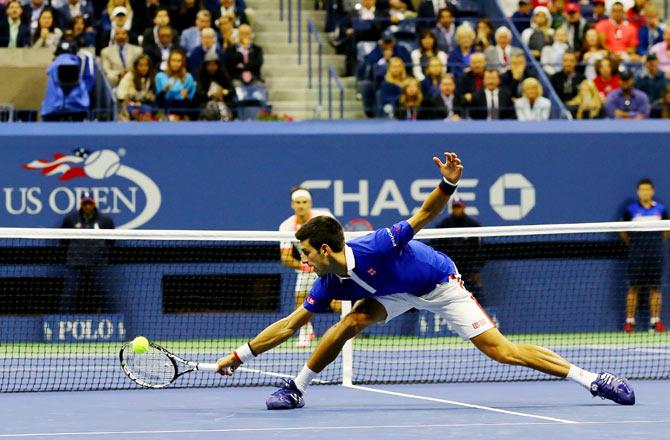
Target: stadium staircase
{"points": [[285, 78]]}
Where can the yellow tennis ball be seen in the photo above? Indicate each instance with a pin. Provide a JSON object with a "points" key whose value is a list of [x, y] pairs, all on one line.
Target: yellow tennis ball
{"points": [[140, 345]]}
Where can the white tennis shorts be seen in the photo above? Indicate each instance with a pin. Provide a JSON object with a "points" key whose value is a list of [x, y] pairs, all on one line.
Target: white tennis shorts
{"points": [[449, 300], [304, 281]]}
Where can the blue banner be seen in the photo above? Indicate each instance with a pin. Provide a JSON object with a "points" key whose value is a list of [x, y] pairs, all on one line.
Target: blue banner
{"points": [[238, 175]]}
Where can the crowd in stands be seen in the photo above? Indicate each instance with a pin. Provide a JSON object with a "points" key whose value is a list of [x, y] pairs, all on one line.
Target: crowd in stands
{"points": [[178, 57], [428, 59]]}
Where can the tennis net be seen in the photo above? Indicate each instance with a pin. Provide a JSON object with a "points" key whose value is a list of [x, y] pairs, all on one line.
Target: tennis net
{"points": [[69, 298]]}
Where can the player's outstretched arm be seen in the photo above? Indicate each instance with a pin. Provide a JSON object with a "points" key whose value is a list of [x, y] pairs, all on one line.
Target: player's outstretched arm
{"points": [[272, 336], [451, 170]]}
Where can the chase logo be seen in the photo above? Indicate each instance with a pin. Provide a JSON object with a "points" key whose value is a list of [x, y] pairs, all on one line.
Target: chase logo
{"points": [[99, 166]]}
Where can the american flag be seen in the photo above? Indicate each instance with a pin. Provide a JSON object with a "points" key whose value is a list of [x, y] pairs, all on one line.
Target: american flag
{"points": [[66, 165]]}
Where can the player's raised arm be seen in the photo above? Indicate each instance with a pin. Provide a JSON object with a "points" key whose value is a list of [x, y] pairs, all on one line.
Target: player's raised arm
{"points": [[451, 170], [272, 336]]}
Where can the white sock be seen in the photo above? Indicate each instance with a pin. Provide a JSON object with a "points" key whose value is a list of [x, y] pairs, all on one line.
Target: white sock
{"points": [[654, 320], [582, 377], [303, 379], [630, 321]]}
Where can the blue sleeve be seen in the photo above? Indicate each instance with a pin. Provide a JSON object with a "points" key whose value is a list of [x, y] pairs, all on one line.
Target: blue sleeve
{"points": [[161, 82], [190, 85], [318, 299], [395, 237]]}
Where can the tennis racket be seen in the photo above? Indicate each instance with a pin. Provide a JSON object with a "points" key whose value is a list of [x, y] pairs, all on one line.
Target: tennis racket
{"points": [[157, 367]]}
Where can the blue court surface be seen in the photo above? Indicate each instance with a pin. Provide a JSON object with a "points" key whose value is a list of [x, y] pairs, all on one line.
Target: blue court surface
{"points": [[510, 410]]}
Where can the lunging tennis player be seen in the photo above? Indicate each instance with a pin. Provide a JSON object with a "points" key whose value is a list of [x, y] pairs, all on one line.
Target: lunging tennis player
{"points": [[387, 273]]}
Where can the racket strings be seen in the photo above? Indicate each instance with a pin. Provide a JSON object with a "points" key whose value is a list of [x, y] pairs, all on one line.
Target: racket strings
{"points": [[152, 367]]}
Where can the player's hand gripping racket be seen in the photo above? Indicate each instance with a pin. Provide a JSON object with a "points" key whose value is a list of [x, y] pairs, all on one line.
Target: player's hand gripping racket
{"points": [[157, 367]]}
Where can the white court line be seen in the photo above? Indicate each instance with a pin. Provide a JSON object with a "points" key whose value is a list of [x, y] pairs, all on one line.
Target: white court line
{"points": [[453, 402], [317, 428]]}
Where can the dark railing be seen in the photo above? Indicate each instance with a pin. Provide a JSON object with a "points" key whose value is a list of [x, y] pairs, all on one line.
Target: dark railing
{"points": [[312, 33], [334, 77]]}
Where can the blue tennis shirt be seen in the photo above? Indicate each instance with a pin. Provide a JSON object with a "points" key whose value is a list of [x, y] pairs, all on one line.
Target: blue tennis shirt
{"points": [[381, 263], [645, 244]]}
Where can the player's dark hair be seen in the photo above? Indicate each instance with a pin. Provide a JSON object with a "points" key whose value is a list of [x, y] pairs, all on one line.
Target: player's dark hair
{"points": [[322, 230], [645, 181]]}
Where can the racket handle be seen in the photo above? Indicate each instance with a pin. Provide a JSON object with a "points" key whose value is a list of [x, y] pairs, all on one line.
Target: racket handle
{"points": [[207, 367]]}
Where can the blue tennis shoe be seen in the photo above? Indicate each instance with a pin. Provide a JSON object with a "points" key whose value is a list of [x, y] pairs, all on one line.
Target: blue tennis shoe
{"points": [[286, 397], [613, 387]]}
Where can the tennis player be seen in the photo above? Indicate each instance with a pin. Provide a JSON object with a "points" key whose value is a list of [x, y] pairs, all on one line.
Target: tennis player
{"points": [[301, 203], [387, 273]]}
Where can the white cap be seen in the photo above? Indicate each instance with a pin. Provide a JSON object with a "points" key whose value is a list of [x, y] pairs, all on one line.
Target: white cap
{"points": [[119, 10]]}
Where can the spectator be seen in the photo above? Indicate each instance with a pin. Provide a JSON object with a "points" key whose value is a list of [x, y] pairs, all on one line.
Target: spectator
{"points": [[532, 106], [637, 14], [518, 71], [159, 52], [459, 57], [429, 10], [484, 34], [75, 8], [662, 51], [430, 86], [187, 14], [175, 87], [620, 37], [627, 102], [150, 35], [566, 81], [47, 34], [466, 250], [117, 58], [493, 102], [652, 81], [645, 257], [576, 25], [592, 51], [651, 33], [412, 104], [145, 14], [606, 80], [522, 17], [588, 103], [364, 24], [190, 38], [13, 31], [557, 9], [427, 49], [540, 33], [376, 61], [390, 89], [32, 11], [498, 56], [472, 80], [208, 44], [69, 84], [400, 10], [108, 16], [445, 30], [227, 33], [228, 8], [86, 259], [245, 60], [599, 12], [136, 89], [449, 104], [661, 108], [552, 55], [120, 20], [214, 83]]}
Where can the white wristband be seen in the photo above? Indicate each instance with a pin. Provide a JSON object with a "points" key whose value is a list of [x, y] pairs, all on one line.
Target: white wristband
{"points": [[244, 354]]}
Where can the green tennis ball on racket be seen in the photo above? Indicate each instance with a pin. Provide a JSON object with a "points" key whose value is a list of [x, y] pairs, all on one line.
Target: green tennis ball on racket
{"points": [[140, 345]]}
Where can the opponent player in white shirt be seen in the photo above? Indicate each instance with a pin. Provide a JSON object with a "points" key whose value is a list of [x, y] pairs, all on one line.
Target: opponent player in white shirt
{"points": [[301, 202]]}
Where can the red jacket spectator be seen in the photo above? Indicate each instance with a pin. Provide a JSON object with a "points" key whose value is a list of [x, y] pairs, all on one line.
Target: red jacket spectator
{"points": [[620, 35]]}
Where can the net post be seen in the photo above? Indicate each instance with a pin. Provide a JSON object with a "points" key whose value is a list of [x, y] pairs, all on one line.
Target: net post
{"points": [[347, 352]]}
